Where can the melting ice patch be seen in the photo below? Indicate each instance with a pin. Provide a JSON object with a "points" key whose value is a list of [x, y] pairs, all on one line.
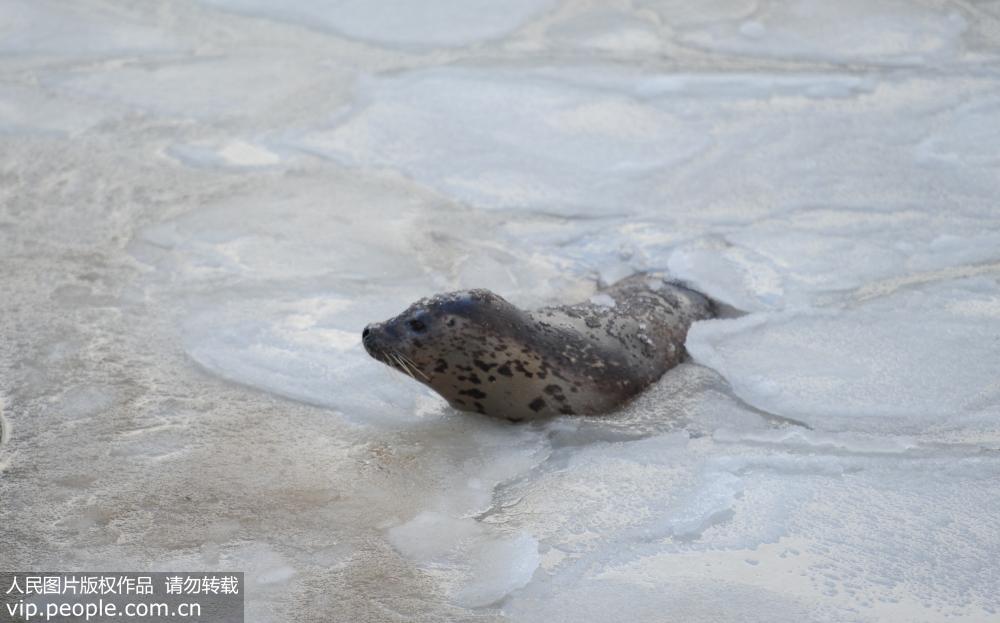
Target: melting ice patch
{"points": [[967, 137], [428, 23], [608, 31], [545, 145], [637, 597], [882, 31], [328, 227], [480, 566], [47, 28], [908, 362], [655, 517], [800, 256], [309, 350], [236, 153], [598, 140], [199, 88]]}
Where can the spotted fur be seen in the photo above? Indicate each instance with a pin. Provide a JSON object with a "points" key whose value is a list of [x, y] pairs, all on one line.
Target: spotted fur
{"points": [[485, 355]]}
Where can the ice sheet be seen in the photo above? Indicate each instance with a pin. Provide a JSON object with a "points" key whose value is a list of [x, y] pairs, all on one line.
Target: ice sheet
{"points": [[427, 24], [884, 31], [203, 203], [887, 364], [51, 28], [601, 140]]}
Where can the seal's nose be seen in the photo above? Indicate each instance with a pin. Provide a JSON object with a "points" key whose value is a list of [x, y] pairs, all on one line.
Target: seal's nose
{"points": [[368, 337]]}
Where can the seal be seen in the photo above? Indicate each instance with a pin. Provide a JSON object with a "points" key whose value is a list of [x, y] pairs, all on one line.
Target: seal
{"points": [[485, 355]]}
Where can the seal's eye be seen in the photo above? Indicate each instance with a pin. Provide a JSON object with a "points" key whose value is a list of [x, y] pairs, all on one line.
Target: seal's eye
{"points": [[416, 325]]}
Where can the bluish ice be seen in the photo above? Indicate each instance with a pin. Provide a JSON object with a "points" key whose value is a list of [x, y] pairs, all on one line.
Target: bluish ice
{"points": [[203, 202]]}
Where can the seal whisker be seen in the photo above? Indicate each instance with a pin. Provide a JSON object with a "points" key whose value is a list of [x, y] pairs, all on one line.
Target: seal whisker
{"points": [[401, 365], [413, 366], [413, 369]]}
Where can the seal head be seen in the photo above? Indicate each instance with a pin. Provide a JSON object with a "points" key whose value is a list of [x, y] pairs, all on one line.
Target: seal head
{"points": [[450, 343]]}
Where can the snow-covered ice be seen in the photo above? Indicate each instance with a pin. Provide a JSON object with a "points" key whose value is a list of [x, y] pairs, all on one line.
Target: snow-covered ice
{"points": [[203, 202]]}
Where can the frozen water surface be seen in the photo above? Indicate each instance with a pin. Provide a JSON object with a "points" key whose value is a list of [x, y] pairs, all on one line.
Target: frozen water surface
{"points": [[398, 22], [202, 204]]}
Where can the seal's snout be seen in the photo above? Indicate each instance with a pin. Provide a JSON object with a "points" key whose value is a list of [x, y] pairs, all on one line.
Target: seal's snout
{"points": [[379, 337], [369, 339]]}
